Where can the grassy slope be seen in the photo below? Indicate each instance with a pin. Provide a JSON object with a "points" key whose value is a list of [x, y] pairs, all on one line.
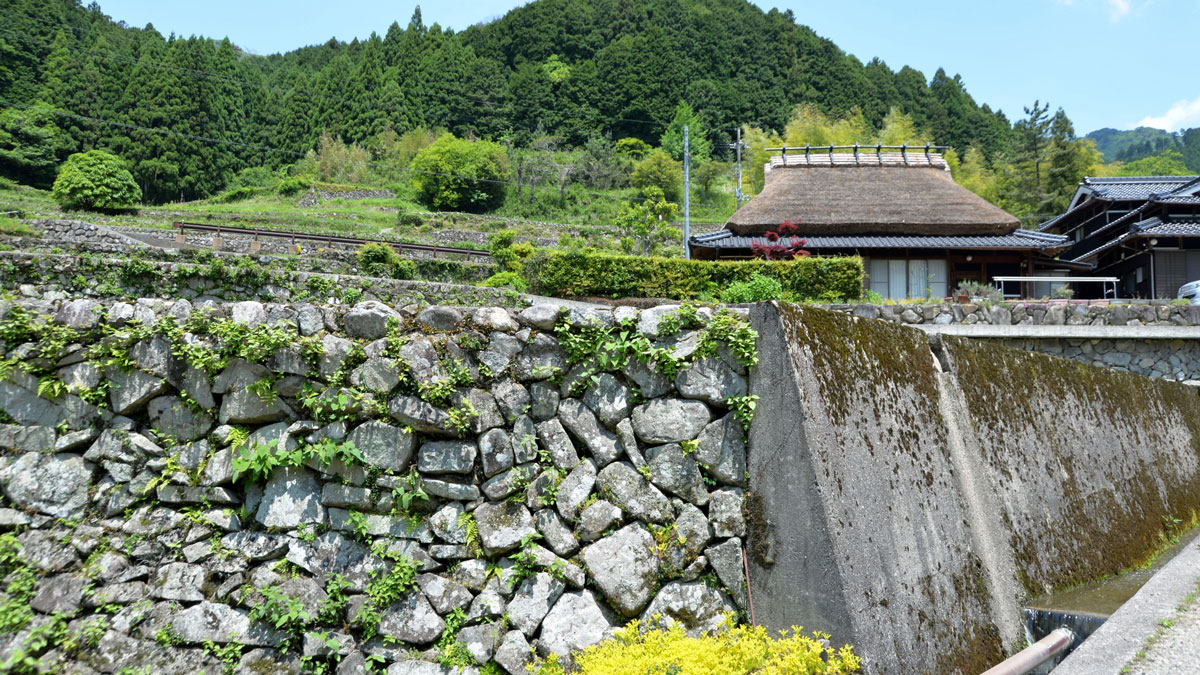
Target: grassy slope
{"points": [[373, 217]]}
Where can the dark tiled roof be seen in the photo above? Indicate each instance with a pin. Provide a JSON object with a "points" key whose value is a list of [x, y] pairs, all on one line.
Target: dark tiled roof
{"points": [[1132, 188], [1019, 239], [1056, 219], [1150, 227], [1172, 228]]}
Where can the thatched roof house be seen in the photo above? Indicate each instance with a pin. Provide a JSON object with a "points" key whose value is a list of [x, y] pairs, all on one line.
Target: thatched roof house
{"points": [[920, 232], [868, 198]]}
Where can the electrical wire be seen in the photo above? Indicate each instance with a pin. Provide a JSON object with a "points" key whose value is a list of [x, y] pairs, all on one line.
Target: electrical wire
{"points": [[265, 148], [284, 92]]}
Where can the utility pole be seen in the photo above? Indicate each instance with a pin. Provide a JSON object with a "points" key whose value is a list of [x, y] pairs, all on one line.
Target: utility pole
{"points": [[687, 221], [737, 188]]}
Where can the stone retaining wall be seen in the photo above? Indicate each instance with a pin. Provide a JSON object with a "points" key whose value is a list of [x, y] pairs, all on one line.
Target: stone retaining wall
{"points": [[1050, 313], [1175, 359], [436, 483], [55, 231], [224, 278], [314, 197]]}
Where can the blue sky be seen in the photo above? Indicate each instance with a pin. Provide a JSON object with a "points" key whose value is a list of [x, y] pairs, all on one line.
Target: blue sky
{"points": [[1108, 63]]}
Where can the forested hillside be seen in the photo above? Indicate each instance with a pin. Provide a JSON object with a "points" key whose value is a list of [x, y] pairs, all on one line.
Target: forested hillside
{"points": [[1144, 142], [191, 115], [566, 67]]}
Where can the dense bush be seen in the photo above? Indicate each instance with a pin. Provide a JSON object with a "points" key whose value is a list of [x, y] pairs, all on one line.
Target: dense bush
{"points": [[293, 185], [511, 280], [455, 174], [754, 289], [95, 180], [238, 194], [381, 260], [733, 650], [660, 171], [583, 273]]}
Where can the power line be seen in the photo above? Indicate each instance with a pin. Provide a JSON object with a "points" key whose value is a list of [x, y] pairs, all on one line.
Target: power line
{"points": [[265, 148], [280, 90]]}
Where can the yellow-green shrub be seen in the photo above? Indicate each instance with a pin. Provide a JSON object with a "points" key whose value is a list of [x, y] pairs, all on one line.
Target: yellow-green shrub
{"points": [[733, 650]]}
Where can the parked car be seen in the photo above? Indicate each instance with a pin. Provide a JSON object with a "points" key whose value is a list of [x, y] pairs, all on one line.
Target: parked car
{"points": [[1190, 291]]}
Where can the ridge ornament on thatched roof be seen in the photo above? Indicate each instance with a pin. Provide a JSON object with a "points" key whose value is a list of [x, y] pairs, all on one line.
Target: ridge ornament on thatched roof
{"points": [[868, 192]]}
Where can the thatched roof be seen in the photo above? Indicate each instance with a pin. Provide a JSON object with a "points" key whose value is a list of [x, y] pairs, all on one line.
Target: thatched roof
{"points": [[868, 199]]}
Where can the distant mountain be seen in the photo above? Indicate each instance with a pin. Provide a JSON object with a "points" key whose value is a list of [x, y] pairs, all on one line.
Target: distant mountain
{"points": [[1117, 145]]}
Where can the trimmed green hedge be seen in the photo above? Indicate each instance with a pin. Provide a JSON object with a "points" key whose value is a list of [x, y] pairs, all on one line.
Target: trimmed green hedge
{"points": [[576, 273]]}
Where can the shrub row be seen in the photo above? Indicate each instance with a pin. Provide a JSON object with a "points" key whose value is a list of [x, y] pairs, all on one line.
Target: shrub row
{"points": [[580, 273]]}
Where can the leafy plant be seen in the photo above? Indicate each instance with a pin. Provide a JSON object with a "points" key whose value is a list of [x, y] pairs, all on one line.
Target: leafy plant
{"points": [[230, 654], [50, 387], [258, 460], [280, 610], [381, 260], [384, 589], [451, 651], [743, 408], [782, 244], [21, 582], [524, 560], [437, 392], [409, 490], [730, 329], [461, 418], [360, 525], [167, 637], [755, 289], [264, 389]]}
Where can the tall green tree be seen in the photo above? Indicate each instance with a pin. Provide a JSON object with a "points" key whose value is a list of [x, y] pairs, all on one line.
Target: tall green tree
{"points": [[31, 144], [658, 170], [699, 143], [1027, 170], [1191, 149], [1067, 161]]}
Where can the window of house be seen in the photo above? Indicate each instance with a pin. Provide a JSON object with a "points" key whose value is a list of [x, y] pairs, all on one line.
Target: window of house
{"points": [[917, 278]]}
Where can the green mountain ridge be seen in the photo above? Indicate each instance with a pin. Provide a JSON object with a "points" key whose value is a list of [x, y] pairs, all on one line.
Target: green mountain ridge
{"points": [[1117, 144], [189, 113]]}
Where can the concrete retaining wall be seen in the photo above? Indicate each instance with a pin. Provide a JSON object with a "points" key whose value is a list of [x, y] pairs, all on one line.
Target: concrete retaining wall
{"points": [[929, 496]]}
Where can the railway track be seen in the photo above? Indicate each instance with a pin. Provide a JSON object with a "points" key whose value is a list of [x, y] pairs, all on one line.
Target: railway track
{"points": [[328, 238]]}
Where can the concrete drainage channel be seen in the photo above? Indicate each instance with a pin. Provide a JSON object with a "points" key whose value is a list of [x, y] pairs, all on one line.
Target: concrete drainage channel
{"points": [[1141, 635], [1143, 623]]}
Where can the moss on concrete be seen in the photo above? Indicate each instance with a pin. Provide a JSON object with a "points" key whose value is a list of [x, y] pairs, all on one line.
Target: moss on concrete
{"points": [[1088, 461]]}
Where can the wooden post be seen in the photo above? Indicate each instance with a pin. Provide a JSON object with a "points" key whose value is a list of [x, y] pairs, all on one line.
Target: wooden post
{"points": [[1028, 291]]}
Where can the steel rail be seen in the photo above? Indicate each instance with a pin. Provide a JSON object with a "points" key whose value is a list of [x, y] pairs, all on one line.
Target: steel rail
{"points": [[1035, 654], [327, 238]]}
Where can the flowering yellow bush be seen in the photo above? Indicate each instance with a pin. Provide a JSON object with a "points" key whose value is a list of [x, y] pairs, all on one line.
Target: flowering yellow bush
{"points": [[732, 650]]}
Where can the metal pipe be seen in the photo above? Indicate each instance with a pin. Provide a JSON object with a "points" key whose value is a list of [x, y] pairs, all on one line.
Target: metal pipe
{"points": [[1035, 654]]}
